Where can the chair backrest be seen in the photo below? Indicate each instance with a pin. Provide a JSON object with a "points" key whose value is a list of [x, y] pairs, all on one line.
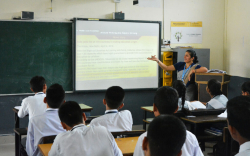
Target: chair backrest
{"points": [[202, 112], [90, 118], [48, 139], [125, 134]]}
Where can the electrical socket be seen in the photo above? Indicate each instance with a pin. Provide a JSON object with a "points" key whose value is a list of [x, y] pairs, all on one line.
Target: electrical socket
{"points": [[165, 41]]}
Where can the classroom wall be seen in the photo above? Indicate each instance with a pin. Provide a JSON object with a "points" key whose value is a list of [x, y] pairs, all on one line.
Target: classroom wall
{"points": [[211, 13], [237, 38]]}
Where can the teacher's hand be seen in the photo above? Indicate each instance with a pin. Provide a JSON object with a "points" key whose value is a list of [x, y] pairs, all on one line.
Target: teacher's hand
{"points": [[153, 58], [190, 74]]}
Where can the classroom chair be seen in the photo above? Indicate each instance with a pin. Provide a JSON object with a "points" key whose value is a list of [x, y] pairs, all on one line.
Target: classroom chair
{"points": [[48, 139], [125, 134], [19, 132]]}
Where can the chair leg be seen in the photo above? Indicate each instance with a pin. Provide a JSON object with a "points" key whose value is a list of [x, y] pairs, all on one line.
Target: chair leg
{"points": [[17, 144]]}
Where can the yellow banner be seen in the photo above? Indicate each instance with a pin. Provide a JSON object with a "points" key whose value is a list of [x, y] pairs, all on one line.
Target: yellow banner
{"points": [[186, 24]]}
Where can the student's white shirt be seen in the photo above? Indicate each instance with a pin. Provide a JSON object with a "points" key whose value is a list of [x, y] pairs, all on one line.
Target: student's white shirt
{"points": [[42, 125], [114, 121], [190, 148], [32, 105], [244, 149], [180, 104], [217, 102], [83, 140]]}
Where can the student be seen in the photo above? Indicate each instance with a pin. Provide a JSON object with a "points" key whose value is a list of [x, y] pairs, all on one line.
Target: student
{"points": [[245, 88], [218, 100], [181, 89], [47, 123], [238, 117], [80, 139], [113, 120], [34, 105], [166, 102], [166, 136]]}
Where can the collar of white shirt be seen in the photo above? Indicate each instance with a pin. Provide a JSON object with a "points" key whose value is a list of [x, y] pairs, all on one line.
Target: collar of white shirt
{"points": [[52, 109], [76, 126], [111, 111], [245, 146], [39, 93]]}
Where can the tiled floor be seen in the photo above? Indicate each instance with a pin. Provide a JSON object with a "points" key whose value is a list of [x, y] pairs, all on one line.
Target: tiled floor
{"points": [[7, 144]]}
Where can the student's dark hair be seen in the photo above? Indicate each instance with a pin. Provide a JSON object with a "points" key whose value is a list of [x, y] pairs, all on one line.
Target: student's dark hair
{"points": [[70, 113], [238, 115], [166, 135], [166, 100], [114, 96], [246, 87], [37, 83], [192, 53], [214, 87], [181, 89], [55, 96]]}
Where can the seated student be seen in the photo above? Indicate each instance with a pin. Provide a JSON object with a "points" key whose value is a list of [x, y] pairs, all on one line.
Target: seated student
{"points": [[238, 117], [218, 100], [166, 102], [181, 89], [245, 88], [166, 136], [47, 123], [113, 120], [80, 139], [34, 105]]}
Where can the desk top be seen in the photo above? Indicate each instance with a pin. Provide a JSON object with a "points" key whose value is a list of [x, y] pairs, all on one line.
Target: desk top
{"points": [[204, 119], [148, 108], [83, 108], [126, 145]]}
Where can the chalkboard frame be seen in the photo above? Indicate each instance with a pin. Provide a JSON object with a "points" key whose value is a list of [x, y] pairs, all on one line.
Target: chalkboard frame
{"points": [[113, 20]]}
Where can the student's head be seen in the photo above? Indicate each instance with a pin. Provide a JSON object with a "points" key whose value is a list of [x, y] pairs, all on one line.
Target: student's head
{"points": [[181, 89], [190, 56], [245, 88], [166, 136], [214, 87], [70, 113], [38, 84], [114, 97], [238, 116], [55, 96], [165, 101]]}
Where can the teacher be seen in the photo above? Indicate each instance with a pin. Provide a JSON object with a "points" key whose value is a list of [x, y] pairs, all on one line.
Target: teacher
{"points": [[185, 72]]}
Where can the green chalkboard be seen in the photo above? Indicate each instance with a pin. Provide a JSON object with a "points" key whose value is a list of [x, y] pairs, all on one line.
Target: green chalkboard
{"points": [[28, 49]]}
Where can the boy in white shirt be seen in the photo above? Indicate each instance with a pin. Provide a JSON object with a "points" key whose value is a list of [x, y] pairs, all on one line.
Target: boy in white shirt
{"points": [[157, 143], [113, 120], [238, 118], [47, 123], [34, 105], [166, 102], [80, 139]]}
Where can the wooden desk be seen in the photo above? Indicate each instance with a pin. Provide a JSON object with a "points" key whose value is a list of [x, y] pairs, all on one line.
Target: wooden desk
{"points": [[126, 145], [202, 122], [198, 120], [146, 109], [84, 108]]}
